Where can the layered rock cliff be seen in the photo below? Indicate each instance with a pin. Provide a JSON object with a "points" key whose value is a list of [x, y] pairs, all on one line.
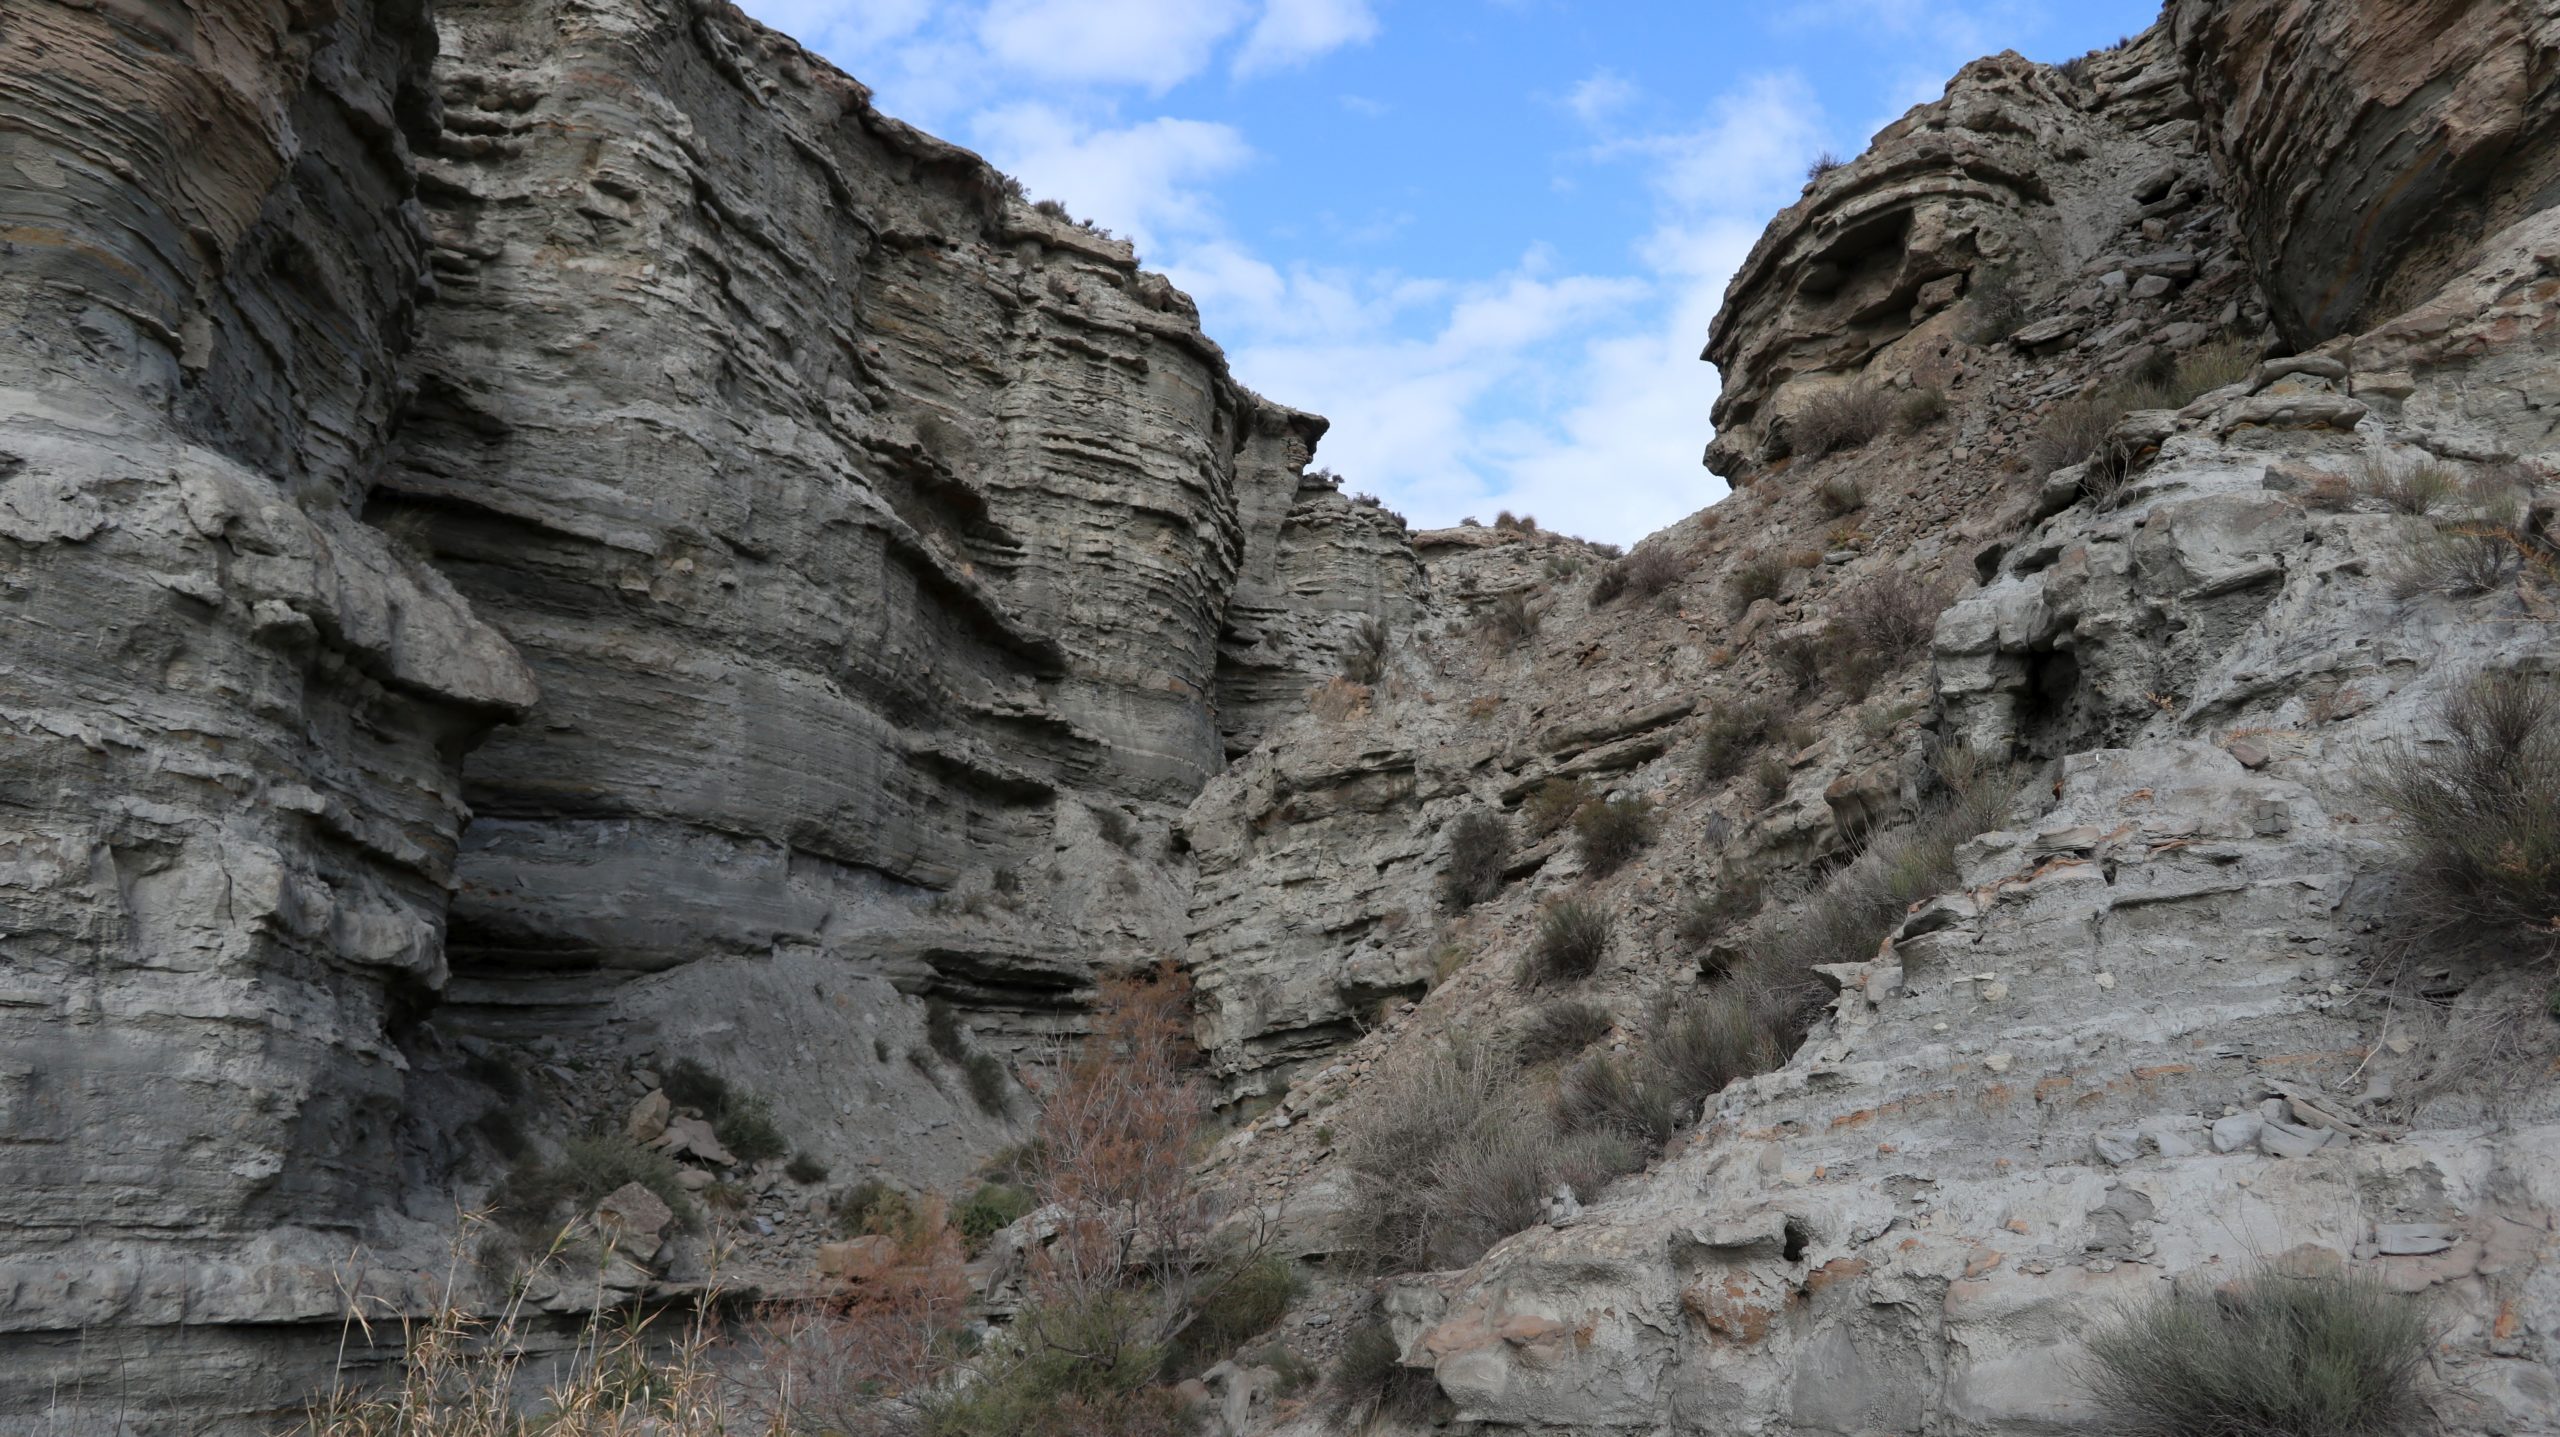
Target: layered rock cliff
{"points": [[550, 540]]}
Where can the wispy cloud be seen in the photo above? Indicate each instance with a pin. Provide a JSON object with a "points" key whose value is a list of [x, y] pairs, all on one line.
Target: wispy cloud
{"points": [[1292, 32], [1152, 45]]}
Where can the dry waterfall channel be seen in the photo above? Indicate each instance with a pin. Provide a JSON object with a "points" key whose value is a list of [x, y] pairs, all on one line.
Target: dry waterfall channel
{"points": [[595, 633]]}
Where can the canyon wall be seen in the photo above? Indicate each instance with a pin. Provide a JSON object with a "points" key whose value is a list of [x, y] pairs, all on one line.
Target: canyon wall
{"points": [[546, 540], [2173, 1016]]}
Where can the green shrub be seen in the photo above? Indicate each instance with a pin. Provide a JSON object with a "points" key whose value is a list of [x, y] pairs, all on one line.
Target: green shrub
{"points": [[1993, 307], [688, 1084], [989, 1209], [805, 1170], [1068, 1368], [1479, 850], [1758, 577], [1611, 833], [1237, 1302], [1294, 1372], [987, 1084], [1370, 1382], [1729, 734], [1608, 584], [530, 1198], [747, 1129], [2480, 812], [1561, 1029], [1769, 779], [1552, 804], [1573, 936], [873, 1208], [2269, 1354]]}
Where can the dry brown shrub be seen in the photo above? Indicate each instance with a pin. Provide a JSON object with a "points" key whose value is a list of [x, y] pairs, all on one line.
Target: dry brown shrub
{"points": [[1338, 699], [1842, 418]]}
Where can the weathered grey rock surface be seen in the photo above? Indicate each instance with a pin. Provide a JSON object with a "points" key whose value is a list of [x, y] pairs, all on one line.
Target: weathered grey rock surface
{"points": [[857, 566], [544, 538]]}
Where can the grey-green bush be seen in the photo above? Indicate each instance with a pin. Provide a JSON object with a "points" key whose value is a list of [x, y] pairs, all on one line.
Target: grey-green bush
{"points": [[2480, 813], [2269, 1355], [1612, 832], [1479, 850], [1573, 936]]}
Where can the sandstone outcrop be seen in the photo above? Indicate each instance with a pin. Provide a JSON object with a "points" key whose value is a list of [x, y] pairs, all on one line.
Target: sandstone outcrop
{"points": [[2371, 149]]}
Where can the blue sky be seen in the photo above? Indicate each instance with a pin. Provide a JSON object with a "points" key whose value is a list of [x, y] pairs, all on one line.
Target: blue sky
{"points": [[1484, 237]]}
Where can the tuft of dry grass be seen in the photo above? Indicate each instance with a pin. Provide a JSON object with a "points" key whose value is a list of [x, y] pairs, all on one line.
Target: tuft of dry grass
{"points": [[1364, 658], [1891, 616], [2420, 488], [1561, 1029], [1729, 733], [1846, 417], [1453, 1153], [2458, 562], [1840, 494], [1508, 621], [1552, 804]]}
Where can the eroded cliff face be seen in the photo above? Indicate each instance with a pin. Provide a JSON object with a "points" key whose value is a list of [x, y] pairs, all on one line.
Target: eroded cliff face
{"points": [[2170, 1018], [234, 715], [548, 540]]}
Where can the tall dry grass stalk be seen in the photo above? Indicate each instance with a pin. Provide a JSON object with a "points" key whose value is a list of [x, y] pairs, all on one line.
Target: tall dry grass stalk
{"points": [[464, 1374]]}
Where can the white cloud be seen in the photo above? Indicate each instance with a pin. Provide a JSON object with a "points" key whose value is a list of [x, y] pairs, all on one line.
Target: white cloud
{"points": [[1153, 45], [1139, 180], [1749, 155], [1600, 96], [1292, 32]]}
